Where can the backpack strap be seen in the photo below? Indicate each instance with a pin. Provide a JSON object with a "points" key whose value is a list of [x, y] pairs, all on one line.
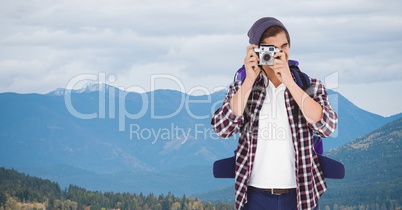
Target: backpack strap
{"points": [[240, 74], [302, 80], [318, 145]]}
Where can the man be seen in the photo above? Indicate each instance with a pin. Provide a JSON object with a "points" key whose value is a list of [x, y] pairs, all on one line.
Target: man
{"points": [[276, 165]]}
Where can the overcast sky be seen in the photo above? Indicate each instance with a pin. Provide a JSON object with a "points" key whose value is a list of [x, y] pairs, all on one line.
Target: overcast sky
{"points": [[196, 46]]}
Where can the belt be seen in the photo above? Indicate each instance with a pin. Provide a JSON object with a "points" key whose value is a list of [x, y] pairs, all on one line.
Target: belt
{"points": [[273, 191]]}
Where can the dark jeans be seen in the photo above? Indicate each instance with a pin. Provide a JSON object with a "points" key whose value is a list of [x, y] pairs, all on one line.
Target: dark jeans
{"points": [[263, 200]]}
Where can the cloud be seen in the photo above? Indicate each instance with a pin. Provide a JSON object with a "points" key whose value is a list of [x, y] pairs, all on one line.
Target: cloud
{"points": [[46, 43]]}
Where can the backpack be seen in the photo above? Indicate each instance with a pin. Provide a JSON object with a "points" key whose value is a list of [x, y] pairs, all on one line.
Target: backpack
{"points": [[225, 168]]}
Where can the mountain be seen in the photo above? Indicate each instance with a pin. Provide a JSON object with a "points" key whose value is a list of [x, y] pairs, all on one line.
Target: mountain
{"points": [[103, 138], [373, 167], [115, 150], [353, 122]]}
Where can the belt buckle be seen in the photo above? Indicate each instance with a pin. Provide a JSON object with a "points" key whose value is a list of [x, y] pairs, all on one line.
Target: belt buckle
{"points": [[273, 193]]}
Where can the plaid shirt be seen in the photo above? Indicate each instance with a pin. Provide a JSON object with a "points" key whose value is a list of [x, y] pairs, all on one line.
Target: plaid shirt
{"points": [[309, 176]]}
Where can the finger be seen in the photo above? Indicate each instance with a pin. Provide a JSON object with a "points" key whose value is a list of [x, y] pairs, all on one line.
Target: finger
{"points": [[280, 56], [251, 63], [252, 54], [280, 60], [250, 58], [251, 47], [278, 75], [254, 65]]}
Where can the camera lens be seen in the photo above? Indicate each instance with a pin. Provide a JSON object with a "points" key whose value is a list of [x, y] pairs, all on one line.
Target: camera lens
{"points": [[266, 57]]}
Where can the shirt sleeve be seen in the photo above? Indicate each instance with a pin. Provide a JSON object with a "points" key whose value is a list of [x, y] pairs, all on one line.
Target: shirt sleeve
{"points": [[224, 121], [327, 125]]}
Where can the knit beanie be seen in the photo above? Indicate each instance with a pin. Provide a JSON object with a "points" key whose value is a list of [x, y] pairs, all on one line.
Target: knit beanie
{"points": [[260, 26]]}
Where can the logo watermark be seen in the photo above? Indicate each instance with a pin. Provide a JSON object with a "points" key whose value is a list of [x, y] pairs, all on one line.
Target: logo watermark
{"points": [[172, 132], [112, 103]]}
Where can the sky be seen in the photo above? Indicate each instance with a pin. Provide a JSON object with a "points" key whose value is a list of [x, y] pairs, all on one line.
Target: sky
{"points": [[355, 47]]}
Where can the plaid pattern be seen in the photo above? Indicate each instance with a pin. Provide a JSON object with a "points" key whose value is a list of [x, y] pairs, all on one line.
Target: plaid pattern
{"points": [[310, 179]]}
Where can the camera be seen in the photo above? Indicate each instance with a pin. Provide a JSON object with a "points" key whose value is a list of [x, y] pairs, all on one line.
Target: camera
{"points": [[266, 54]]}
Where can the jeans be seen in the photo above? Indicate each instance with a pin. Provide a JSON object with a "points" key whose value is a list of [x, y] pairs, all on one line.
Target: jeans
{"points": [[263, 200]]}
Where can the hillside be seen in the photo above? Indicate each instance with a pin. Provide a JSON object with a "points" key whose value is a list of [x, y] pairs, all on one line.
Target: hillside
{"points": [[373, 165], [24, 187], [106, 139], [373, 180], [20, 191]]}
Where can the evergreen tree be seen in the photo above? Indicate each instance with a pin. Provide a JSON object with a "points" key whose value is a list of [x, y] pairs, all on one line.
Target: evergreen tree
{"points": [[3, 200]]}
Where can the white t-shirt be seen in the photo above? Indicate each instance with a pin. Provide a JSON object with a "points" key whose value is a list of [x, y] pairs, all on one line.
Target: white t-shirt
{"points": [[274, 163]]}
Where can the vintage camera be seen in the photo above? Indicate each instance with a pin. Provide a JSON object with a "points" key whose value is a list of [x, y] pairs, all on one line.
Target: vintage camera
{"points": [[266, 54]]}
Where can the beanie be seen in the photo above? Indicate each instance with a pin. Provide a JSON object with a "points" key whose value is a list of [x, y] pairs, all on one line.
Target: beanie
{"points": [[260, 26]]}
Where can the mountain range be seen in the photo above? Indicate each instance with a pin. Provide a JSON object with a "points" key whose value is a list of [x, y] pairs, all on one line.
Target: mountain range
{"points": [[103, 138]]}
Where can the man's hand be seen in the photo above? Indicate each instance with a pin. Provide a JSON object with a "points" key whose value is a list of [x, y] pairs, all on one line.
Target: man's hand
{"points": [[281, 69], [251, 63], [239, 101]]}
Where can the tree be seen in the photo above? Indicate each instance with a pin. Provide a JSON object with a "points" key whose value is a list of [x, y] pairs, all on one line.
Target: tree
{"points": [[12, 204], [175, 206], [3, 200]]}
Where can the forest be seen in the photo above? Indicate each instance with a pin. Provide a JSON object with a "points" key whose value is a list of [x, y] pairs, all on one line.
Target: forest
{"points": [[20, 191]]}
